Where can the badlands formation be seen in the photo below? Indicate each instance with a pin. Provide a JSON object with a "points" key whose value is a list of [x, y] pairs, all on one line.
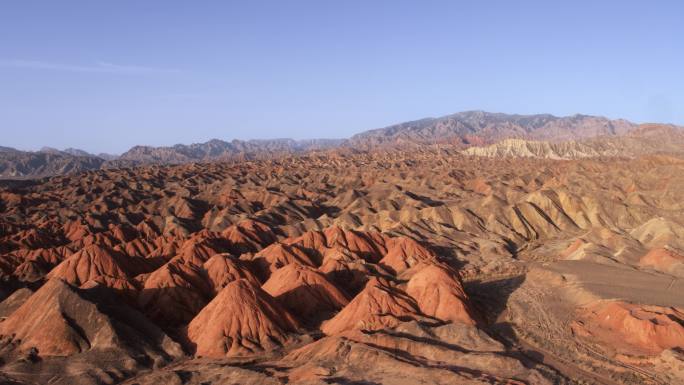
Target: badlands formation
{"points": [[396, 266]]}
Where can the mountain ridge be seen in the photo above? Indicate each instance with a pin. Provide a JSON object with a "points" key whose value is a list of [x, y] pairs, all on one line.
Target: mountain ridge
{"points": [[495, 126], [462, 130]]}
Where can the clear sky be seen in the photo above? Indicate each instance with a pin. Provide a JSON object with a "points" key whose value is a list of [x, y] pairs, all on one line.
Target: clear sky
{"points": [[106, 75]]}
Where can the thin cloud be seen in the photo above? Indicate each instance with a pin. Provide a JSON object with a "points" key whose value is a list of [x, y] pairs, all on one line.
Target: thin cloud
{"points": [[100, 67]]}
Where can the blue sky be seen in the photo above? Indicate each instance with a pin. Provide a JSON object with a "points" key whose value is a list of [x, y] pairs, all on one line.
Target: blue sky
{"points": [[106, 75]]}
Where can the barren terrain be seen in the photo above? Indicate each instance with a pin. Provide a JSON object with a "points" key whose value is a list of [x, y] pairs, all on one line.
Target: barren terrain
{"points": [[397, 266]]}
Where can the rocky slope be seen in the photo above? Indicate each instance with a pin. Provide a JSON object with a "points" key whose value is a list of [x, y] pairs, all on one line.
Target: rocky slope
{"points": [[644, 139], [537, 149]]}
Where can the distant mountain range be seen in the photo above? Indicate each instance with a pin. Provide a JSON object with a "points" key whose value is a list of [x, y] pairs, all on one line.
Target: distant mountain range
{"points": [[18, 164], [544, 135], [216, 149], [479, 127]]}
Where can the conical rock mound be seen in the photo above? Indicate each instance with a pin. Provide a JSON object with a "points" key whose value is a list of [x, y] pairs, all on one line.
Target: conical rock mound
{"points": [[378, 306], [173, 294], [60, 320], [439, 293], [403, 253], [101, 264], [278, 255], [305, 292], [248, 235], [241, 320], [222, 269]]}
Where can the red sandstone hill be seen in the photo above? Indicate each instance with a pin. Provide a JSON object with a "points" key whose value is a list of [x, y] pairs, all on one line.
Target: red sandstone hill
{"points": [[102, 265], [241, 320], [379, 305], [222, 269], [440, 294], [60, 320], [305, 292], [173, 294]]}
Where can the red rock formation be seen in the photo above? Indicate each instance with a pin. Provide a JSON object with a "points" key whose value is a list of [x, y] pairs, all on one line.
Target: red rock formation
{"points": [[200, 248], [58, 321], [349, 273], [101, 264], [136, 247], [662, 259], [278, 255], [173, 294], [123, 233], [380, 305], [369, 246], [248, 236], [632, 329], [33, 238], [41, 322], [193, 243], [305, 292], [31, 271], [222, 269], [75, 230], [439, 293], [48, 257], [403, 253], [241, 320]]}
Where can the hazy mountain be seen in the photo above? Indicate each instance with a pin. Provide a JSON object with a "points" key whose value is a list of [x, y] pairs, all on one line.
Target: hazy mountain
{"points": [[479, 127], [21, 164], [77, 152], [568, 137], [216, 149], [51, 161], [107, 156], [7, 149], [52, 150]]}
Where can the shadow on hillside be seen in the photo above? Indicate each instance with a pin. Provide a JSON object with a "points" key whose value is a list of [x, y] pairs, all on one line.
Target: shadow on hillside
{"points": [[491, 297]]}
